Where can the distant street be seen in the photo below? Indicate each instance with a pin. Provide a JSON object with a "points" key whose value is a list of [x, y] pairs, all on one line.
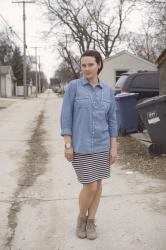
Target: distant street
{"points": [[39, 190]]}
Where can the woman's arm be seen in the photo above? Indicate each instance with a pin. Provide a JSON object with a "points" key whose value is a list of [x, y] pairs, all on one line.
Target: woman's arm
{"points": [[67, 119], [112, 121], [67, 111], [113, 129], [113, 150]]}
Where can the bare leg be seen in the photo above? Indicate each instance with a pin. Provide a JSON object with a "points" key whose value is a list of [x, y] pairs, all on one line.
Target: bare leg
{"points": [[95, 203], [86, 197]]}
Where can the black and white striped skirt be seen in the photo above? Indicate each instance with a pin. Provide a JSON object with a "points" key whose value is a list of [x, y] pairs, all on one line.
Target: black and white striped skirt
{"points": [[91, 167]]}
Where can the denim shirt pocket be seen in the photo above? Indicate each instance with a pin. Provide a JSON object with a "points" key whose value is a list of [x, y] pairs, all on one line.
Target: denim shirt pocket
{"points": [[82, 102]]}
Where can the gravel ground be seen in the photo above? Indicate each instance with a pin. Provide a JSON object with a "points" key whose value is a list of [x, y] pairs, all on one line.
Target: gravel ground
{"points": [[134, 155]]}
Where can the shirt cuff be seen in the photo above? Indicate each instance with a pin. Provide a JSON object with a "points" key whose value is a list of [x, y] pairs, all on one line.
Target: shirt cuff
{"points": [[114, 134], [66, 131]]}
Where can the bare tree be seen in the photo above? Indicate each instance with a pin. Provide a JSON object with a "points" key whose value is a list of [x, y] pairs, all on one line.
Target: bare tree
{"points": [[143, 44], [72, 16], [156, 15], [69, 56], [90, 23], [64, 73], [108, 30], [151, 40], [70, 59]]}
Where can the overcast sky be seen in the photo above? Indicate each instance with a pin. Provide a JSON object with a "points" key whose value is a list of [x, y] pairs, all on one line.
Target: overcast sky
{"points": [[36, 23]]}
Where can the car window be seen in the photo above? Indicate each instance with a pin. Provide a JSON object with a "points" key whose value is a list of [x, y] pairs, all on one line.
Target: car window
{"points": [[119, 73], [121, 81], [145, 81]]}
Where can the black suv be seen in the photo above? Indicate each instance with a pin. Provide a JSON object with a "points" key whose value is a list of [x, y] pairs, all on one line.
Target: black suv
{"points": [[146, 83]]}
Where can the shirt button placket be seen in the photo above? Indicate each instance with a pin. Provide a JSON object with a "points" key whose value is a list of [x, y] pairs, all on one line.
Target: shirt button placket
{"points": [[93, 123], [92, 135]]}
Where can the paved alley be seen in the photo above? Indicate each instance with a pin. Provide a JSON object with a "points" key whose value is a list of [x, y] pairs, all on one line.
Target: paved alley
{"points": [[39, 190]]}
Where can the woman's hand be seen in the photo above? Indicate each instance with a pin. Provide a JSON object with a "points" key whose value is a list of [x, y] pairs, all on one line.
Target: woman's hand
{"points": [[113, 155], [69, 154]]}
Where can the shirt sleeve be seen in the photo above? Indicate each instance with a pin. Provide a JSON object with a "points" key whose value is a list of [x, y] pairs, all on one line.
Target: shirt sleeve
{"points": [[112, 121], [67, 109]]}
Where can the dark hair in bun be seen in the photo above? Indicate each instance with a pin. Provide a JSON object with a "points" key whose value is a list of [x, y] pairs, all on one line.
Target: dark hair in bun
{"points": [[96, 55]]}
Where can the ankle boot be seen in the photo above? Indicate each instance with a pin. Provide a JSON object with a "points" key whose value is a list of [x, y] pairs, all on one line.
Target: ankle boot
{"points": [[91, 229], [81, 227]]}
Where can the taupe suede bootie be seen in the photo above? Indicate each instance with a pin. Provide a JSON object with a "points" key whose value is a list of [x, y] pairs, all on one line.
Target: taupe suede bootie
{"points": [[91, 229], [81, 227]]}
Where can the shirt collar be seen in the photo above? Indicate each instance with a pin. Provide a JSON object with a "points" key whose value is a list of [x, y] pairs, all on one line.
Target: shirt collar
{"points": [[85, 81]]}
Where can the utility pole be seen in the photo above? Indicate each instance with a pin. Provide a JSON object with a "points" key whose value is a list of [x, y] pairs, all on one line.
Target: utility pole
{"points": [[39, 77], [24, 45], [36, 68]]}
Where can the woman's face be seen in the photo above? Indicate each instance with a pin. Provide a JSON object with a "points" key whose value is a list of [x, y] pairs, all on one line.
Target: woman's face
{"points": [[89, 67]]}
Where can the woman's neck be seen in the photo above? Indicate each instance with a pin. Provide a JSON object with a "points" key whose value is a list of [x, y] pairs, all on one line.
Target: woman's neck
{"points": [[94, 81]]}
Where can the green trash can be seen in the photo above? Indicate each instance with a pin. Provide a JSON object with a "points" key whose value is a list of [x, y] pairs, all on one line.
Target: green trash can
{"points": [[153, 113]]}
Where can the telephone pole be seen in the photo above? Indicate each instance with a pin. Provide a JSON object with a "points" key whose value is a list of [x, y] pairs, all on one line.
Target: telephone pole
{"points": [[36, 82], [39, 77], [24, 45]]}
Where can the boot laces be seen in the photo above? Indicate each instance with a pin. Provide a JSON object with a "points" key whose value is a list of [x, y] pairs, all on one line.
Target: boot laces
{"points": [[91, 225]]}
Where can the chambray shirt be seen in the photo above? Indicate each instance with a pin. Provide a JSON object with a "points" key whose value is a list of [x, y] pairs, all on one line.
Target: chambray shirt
{"points": [[89, 115]]}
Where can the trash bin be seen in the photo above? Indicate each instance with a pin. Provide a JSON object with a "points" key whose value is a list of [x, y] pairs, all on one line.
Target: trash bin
{"points": [[127, 116], [153, 114]]}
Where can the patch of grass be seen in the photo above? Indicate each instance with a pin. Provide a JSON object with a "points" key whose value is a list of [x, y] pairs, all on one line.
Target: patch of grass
{"points": [[5, 103]]}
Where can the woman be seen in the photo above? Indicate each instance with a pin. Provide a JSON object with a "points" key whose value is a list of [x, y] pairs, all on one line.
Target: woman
{"points": [[89, 127]]}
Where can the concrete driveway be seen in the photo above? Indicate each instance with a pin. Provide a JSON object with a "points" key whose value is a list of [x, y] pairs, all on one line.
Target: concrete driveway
{"points": [[39, 190]]}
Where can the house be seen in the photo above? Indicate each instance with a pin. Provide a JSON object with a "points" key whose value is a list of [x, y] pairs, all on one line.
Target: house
{"points": [[122, 62], [161, 61], [6, 81]]}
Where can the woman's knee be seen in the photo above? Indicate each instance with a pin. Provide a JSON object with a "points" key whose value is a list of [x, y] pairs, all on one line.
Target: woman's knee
{"points": [[99, 185], [91, 188]]}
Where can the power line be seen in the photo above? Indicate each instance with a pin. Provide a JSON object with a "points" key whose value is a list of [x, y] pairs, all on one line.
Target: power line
{"points": [[10, 28], [14, 32]]}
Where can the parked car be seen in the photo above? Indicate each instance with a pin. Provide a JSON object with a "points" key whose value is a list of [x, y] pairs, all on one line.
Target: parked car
{"points": [[55, 89], [146, 83]]}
